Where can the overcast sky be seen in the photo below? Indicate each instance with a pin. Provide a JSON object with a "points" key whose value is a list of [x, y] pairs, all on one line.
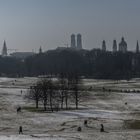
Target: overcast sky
{"points": [[27, 24]]}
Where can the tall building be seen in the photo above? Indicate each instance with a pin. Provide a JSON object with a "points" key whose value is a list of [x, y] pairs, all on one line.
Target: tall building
{"points": [[114, 46], [137, 47], [73, 44], [40, 50], [123, 46], [79, 41], [4, 49], [103, 45]]}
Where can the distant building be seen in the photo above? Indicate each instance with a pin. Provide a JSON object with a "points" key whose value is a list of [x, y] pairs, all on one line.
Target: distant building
{"points": [[4, 49], [40, 50], [21, 55], [61, 48], [79, 41], [103, 45], [137, 47], [114, 46], [123, 46], [73, 43]]}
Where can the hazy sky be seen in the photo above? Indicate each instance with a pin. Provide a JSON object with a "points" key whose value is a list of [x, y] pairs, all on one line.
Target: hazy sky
{"points": [[27, 24]]}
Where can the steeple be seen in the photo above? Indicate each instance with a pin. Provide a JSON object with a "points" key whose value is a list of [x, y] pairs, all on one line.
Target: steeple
{"points": [[40, 50], [103, 45], [137, 47], [4, 50], [114, 46]]}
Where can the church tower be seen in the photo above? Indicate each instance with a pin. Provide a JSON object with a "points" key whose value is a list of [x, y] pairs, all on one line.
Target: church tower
{"points": [[123, 46], [103, 45], [4, 49], [137, 47], [114, 46], [73, 44], [79, 41], [40, 50]]}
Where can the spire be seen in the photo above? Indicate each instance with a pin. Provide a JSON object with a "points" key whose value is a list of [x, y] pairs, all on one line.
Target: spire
{"points": [[4, 50], [137, 47], [123, 39], [114, 46], [103, 45], [40, 50]]}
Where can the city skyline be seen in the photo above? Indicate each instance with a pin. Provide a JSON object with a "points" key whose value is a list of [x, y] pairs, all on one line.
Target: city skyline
{"points": [[28, 24]]}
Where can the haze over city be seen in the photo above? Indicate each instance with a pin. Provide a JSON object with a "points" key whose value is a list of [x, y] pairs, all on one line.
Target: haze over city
{"points": [[27, 24], [69, 69]]}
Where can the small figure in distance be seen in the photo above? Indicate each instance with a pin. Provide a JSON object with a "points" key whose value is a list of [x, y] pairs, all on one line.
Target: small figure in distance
{"points": [[90, 88], [103, 89], [20, 130], [85, 122], [19, 109], [21, 91], [102, 128], [125, 103], [79, 129]]}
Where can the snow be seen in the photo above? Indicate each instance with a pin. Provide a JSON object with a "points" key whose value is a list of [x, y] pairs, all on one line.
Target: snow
{"points": [[106, 108], [31, 137]]}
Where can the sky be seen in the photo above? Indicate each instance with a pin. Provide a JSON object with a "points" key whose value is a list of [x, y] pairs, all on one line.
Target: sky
{"points": [[28, 24]]}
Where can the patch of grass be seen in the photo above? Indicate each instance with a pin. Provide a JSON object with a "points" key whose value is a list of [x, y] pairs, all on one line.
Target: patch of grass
{"points": [[33, 109], [132, 124], [41, 109]]}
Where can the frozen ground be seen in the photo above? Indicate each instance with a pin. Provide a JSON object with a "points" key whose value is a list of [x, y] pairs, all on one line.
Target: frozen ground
{"points": [[122, 122]]}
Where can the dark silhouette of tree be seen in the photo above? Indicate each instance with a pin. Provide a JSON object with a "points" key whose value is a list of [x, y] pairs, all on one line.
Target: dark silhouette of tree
{"points": [[35, 93], [65, 90], [90, 64]]}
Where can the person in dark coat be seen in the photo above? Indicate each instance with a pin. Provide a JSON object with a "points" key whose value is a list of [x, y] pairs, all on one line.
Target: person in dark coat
{"points": [[85, 122], [102, 128], [20, 130], [19, 109]]}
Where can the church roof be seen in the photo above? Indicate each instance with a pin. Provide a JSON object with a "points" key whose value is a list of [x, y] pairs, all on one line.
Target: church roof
{"points": [[123, 42]]}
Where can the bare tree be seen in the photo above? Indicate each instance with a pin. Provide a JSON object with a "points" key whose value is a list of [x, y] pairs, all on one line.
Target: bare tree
{"points": [[63, 88], [34, 93], [52, 93], [44, 85], [74, 84], [49, 95]]}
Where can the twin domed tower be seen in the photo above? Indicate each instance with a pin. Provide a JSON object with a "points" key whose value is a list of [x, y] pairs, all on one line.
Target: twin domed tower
{"points": [[77, 45]]}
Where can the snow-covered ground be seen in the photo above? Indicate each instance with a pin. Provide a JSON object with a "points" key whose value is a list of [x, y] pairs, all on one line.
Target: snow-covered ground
{"points": [[121, 121]]}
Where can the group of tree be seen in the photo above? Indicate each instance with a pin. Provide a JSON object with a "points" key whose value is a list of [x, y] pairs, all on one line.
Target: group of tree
{"points": [[54, 94], [88, 63], [11, 67]]}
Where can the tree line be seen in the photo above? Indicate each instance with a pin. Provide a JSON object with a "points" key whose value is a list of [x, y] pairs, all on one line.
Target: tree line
{"points": [[89, 64]]}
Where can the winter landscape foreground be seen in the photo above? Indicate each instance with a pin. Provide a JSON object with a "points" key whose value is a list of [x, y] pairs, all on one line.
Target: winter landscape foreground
{"points": [[118, 108]]}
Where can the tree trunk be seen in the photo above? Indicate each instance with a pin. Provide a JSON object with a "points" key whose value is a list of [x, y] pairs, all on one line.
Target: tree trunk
{"points": [[36, 103], [45, 103], [62, 101], [51, 102], [76, 101], [66, 100]]}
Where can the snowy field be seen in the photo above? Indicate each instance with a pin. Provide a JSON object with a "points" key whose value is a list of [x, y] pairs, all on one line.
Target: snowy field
{"points": [[121, 121]]}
